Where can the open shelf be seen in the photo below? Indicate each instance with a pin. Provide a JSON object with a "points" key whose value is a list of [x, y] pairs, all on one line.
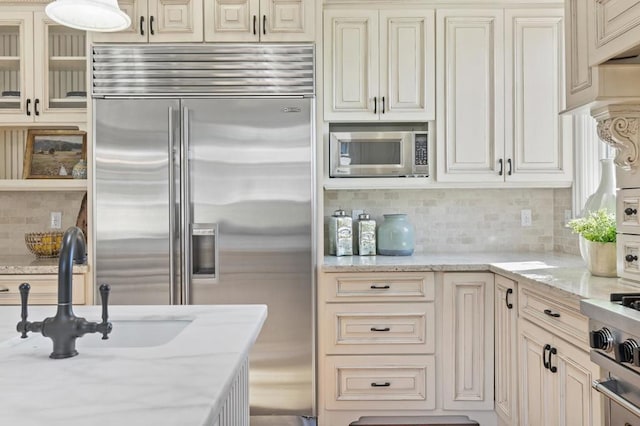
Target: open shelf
{"points": [[68, 63], [43, 184], [9, 63]]}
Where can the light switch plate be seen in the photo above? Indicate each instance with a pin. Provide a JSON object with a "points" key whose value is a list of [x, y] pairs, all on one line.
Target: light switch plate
{"points": [[56, 220], [525, 217]]}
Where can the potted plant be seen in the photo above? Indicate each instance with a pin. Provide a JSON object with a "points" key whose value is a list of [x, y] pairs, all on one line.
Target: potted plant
{"points": [[598, 229]]}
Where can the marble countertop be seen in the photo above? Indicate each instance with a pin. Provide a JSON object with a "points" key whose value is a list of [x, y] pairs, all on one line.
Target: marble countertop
{"points": [[564, 273], [182, 382], [28, 264]]}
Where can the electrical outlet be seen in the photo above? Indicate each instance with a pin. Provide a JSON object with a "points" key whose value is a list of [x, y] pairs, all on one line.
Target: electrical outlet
{"points": [[56, 220], [525, 217], [355, 213]]}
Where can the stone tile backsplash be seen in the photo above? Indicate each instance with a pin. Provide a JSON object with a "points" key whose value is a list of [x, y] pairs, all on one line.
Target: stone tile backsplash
{"points": [[469, 220], [22, 212]]}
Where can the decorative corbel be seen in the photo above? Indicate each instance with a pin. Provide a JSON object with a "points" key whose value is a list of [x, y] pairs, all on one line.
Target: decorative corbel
{"points": [[618, 127]]}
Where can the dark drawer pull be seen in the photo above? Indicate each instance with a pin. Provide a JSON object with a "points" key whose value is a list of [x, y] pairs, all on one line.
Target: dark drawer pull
{"points": [[4, 290], [380, 287], [630, 258], [380, 329], [630, 212], [380, 385], [551, 313]]}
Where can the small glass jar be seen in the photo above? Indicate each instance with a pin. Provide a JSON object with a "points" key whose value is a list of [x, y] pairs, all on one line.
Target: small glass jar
{"points": [[396, 236], [340, 234], [366, 235]]}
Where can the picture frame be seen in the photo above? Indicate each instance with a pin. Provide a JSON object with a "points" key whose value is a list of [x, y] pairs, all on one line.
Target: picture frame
{"points": [[52, 153]]}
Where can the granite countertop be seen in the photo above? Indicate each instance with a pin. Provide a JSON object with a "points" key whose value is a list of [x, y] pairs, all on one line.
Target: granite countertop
{"points": [[29, 264], [562, 272], [182, 382]]}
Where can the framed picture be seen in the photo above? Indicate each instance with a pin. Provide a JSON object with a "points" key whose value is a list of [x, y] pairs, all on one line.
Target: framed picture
{"points": [[51, 154]]}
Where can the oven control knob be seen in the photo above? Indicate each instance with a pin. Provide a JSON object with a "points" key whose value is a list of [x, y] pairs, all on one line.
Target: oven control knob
{"points": [[601, 339], [625, 350], [636, 357]]}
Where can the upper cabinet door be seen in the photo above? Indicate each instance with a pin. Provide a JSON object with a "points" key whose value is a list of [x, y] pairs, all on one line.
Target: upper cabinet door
{"points": [[470, 93], [535, 96], [407, 68], [16, 67], [232, 20], [137, 32], [286, 20], [580, 78], [175, 21], [351, 65]]}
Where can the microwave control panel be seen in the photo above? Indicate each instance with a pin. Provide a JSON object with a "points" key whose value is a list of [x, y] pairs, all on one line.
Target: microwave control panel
{"points": [[420, 154]]}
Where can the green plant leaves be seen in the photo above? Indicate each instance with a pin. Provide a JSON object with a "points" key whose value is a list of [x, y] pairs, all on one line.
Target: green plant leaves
{"points": [[598, 226]]}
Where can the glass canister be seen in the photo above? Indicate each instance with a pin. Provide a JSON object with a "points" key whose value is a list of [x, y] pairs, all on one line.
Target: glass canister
{"points": [[366, 235], [340, 234], [396, 236]]}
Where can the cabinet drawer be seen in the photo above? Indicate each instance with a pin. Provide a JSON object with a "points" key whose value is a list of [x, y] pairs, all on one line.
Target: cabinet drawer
{"points": [[381, 382], [561, 319], [374, 287], [44, 289], [628, 256], [390, 328], [628, 211]]}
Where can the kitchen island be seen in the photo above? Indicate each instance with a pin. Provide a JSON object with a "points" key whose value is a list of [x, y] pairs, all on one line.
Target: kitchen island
{"points": [[162, 365]]}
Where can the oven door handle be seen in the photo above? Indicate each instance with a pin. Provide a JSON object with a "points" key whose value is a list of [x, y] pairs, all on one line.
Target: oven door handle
{"points": [[603, 386]]}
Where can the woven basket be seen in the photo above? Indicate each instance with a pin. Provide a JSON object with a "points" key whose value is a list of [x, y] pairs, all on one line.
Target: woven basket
{"points": [[44, 244]]}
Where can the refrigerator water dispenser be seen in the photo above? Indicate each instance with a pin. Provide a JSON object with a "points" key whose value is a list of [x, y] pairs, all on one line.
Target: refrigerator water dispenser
{"points": [[204, 251]]}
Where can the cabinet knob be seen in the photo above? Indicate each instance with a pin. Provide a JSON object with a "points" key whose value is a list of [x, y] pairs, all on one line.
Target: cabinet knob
{"points": [[630, 258], [630, 212]]}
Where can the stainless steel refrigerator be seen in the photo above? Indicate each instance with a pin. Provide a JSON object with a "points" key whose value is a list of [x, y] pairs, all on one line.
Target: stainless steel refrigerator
{"points": [[204, 194]]}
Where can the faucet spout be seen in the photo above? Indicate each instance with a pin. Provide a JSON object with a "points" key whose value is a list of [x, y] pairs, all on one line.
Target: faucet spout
{"points": [[74, 248]]}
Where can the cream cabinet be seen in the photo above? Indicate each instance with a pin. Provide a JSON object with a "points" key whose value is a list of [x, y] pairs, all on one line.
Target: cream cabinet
{"points": [[616, 29], [158, 21], [467, 341], [44, 289], [376, 344], [580, 76], [506, 360], [379, 64], [555, 374], [500, 88], [259, 20], [42, 69]]}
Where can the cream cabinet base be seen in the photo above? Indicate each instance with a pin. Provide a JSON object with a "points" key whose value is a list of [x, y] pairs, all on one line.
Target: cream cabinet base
{"points": [[44, 289], [344, 418]]}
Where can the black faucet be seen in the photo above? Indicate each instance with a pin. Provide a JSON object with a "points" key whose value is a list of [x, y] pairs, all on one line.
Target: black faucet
{"points": [[64, 328]]}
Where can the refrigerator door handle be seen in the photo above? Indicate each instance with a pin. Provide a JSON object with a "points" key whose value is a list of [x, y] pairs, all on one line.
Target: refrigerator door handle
{"points": [[172, 213], [185, 216]]}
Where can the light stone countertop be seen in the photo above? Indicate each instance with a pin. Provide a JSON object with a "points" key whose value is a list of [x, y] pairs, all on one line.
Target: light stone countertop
{"points": [[182, 382], [565, 274], [29, 264]]}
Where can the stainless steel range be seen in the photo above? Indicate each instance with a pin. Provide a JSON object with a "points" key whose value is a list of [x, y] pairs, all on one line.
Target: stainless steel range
{"points": [[615, 341]]}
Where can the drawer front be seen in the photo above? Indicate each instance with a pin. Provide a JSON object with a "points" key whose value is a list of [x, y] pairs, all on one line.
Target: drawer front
{"points": [[389, 328], [370, 287], [614, 18], [44, 289], [628, 211], [563, 320], [628, 256], [381, 382]]}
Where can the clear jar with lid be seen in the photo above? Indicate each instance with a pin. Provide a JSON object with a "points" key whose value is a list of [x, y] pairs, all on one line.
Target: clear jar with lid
{"points": [[366, 235], [340, 234]]}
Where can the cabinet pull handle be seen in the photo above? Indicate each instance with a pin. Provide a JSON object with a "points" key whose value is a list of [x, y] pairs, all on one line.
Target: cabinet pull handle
{"points": [[151, 19], [551, 313], [500, 164], [630, 212], [4, 290], [380, 287], [553, 368], [383, 104], [264, 24], [510, 167], [380, 385], [35, 106], [375, 104], [380, 329], [506, 298], [142, 25], [544, 355], [255, 20], [29, 107], [630, 258]]}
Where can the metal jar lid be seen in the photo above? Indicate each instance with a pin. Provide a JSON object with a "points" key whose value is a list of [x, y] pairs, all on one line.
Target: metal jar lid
{"points": [[364, 216], [339, 213]]}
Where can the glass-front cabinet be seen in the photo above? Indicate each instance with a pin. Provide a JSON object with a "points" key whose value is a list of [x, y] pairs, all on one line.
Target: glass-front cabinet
{"points": [[43, 70]]}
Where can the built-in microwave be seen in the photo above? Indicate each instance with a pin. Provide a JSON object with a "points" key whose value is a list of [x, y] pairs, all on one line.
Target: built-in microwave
{"points": [[379, 154]]}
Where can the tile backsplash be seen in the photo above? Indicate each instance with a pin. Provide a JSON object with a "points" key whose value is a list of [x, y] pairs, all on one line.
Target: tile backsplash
{"points": [[469, 220], [22, 212]]}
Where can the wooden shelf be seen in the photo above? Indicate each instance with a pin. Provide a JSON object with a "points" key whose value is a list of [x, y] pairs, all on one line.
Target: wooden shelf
{"points": [[9, 63], [43, 184], [68, 63]]}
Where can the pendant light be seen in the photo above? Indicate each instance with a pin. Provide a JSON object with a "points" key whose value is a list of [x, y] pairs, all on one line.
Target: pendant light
{"points": [[89, 15]]}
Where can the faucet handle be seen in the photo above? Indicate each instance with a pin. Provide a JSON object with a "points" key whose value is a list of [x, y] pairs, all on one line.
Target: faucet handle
{"points": [[24, 297], [104, 297]]}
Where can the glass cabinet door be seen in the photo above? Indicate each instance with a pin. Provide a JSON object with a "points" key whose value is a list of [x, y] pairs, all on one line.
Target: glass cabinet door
{"points": [[15, 85], [61, 70]]}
